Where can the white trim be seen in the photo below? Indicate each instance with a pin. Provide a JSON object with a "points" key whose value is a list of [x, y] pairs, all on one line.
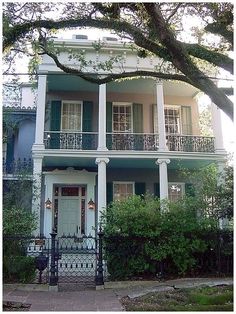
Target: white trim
{"points": [[124, 104], [81, 113]]}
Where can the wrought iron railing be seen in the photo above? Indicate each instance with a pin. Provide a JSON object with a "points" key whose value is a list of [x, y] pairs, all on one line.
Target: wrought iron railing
{"points": [[190, 143], [132, 141], [17, 166], [71, 140]]}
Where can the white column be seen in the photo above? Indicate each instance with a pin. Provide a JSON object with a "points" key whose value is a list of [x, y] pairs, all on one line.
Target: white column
{"points": [[163, 177], [161, 116], [36, 199], [102, 118], [40, 115], [217, 128], [102, 186]]}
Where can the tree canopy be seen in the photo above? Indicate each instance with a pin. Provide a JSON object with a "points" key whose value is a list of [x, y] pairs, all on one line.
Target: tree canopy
{"points": [[156, 29]]}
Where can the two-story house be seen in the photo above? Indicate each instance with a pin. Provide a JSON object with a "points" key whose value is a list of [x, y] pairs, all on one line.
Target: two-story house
{"points": [[98, 143]]}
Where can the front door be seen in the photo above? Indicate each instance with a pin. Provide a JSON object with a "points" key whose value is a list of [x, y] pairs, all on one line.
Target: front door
{"points": [[70, 201]]}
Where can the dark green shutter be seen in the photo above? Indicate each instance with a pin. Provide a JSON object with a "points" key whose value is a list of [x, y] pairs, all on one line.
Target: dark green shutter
{"points": [[157, 189], [10, 153], [109, 192], [87, 125], [140, 188], [186, 118], [138, 126], [109, 124], [55, 123], [189, 189]]}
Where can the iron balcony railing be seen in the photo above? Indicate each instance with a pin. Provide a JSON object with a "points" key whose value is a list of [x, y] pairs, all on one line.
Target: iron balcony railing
{"points": [[128, 141], [190, 143], [71, 140], [17, 166]]}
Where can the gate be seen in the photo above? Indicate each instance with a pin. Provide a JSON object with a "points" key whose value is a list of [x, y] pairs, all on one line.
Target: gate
{"points": [[77, 263]]}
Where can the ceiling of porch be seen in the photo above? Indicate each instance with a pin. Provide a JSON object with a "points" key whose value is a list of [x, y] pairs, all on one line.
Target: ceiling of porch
{"points": [[65, 82]]}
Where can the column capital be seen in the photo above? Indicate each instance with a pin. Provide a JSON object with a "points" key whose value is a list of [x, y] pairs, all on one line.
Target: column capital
{"points": [[162, 160], [159, 81], [99, 160]]}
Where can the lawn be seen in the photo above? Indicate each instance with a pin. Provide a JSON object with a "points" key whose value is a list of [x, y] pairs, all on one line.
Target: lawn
{"points": [[218, 298]]}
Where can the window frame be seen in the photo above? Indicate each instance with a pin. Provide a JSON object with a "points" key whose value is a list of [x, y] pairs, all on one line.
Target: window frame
{"points": [[80, 102], [182, 184], [124, 104], [155, 118]]}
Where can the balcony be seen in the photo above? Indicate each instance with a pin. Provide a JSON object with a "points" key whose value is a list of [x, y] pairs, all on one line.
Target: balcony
{"points": [[127, 142], [17, 166]]}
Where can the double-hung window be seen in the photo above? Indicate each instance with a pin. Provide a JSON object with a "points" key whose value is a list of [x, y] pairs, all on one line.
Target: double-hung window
{"points": [[122, 117], [175, 191], [122, 190], [172, 120], [71, 117]]}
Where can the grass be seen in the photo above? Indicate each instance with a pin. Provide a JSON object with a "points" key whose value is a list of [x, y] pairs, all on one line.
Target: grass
{"points": [[219, 298]]}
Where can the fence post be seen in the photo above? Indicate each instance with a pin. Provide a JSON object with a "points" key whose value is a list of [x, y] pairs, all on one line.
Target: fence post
{"points": [[99, 276], [53, 270]]}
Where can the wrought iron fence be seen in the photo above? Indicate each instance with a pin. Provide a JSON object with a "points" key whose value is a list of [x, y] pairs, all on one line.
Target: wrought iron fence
{"points": [[132, 141], [17, 166], [71, 140], [190, 143]]}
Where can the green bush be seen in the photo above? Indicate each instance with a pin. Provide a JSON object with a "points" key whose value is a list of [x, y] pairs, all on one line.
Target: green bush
{"points": [[18, 269], [138, 235]]}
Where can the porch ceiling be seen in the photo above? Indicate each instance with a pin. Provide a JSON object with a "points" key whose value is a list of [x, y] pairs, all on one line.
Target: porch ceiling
{"points": [[65, 82], [127, 163]]}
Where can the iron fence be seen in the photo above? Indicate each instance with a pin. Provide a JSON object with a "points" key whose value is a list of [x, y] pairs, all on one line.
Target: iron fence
{"points": [[17, 166]]}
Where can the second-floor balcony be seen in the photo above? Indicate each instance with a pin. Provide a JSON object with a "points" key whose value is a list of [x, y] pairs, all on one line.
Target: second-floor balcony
{"points": [[85, 141], [20, 166]]}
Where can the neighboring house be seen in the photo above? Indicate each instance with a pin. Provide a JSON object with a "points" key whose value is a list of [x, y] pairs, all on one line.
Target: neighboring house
{"points": [[94, 144]]}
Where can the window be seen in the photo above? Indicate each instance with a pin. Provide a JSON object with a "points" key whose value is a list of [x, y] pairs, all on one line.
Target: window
{"points": [[71, 116], [172, 120], [175, 191], [122, 117], [122, 190]]}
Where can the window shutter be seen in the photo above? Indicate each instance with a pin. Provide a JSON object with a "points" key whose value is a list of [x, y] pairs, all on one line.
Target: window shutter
{"points": [[109, 124], [186, 118], [87, 116], [189, 189], [157, 189], [55, 123], [140, 188], [138, 118], [10, 152], [109, 192]]}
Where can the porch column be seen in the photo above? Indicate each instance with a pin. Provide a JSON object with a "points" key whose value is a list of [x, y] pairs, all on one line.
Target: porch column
{"points": [[40, 113], [36, 191], [102, 186], [102, 118], [217, 128], [163, 177], [161, 117]]}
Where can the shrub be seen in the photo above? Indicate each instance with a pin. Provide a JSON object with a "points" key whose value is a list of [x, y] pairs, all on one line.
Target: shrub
{"points": [[138, 235]]}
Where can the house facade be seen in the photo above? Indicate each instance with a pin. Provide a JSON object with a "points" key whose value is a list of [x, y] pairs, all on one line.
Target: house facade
{"points": [[98, 143]]}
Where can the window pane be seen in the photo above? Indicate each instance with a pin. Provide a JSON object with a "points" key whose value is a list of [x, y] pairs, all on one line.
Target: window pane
{"points": [[70, 191]]}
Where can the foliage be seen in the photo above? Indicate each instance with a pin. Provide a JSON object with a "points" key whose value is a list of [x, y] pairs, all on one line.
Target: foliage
{"points": [[154, 28], [139, 236]]}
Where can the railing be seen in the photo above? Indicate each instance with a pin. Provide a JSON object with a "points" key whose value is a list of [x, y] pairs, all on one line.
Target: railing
{"points": [[17, 166], [128, 141], [132, 141], [190, 143], [71, 140]]}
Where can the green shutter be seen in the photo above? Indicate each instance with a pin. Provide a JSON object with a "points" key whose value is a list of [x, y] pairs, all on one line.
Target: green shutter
{"points": [[138, 118], [109, 192], [55, 123], [87, 116], [140, 188], [186, 118], [189, 189], [10, 152], [109, 124], [157, 189], [87, 142], [138, 126]]}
